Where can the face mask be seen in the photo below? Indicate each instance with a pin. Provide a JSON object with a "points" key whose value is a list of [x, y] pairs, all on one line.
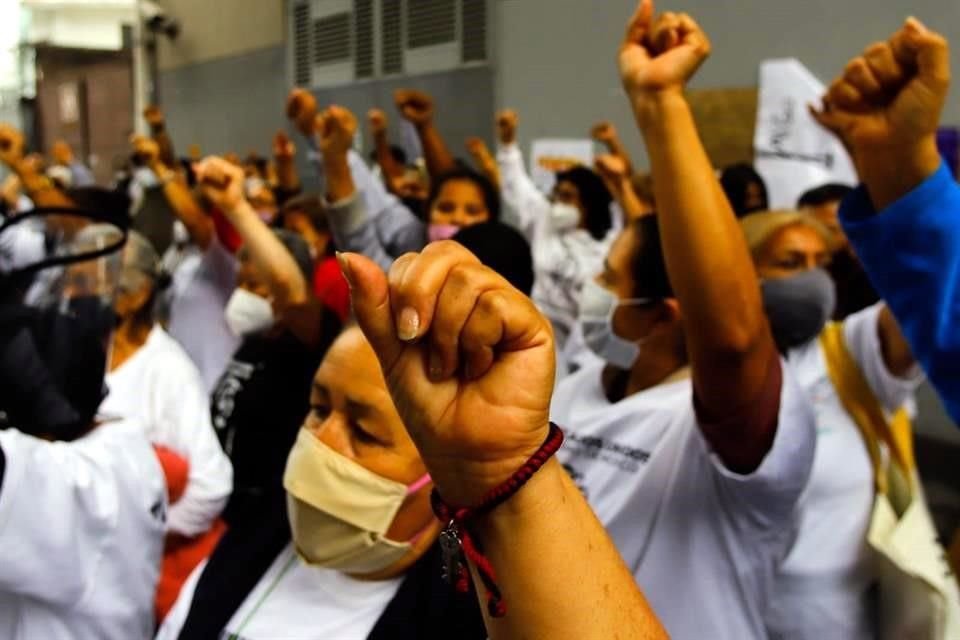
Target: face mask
{"points": [[798, 307], [339, 511], [597, 306], [436, 232], [564, 217], [247, 313]]}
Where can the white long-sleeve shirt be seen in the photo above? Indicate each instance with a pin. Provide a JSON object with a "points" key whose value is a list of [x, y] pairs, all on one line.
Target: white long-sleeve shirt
{"points": [[562, 260], [162, 389], [81, 535]]}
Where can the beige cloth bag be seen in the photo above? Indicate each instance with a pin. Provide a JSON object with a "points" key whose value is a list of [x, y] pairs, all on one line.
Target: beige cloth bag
{"points": [[919, 598]]}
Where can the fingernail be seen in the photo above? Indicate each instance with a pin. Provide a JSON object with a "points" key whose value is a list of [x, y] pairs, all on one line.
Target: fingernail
{"points": [[409, 324], [435, 366], [345, 269]]}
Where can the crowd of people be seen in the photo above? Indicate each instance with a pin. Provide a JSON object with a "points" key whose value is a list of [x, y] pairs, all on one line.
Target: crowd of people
{"points": [[432, 400]]}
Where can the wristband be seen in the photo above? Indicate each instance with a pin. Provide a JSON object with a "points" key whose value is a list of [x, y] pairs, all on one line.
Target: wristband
{"points": [[457, 543]]}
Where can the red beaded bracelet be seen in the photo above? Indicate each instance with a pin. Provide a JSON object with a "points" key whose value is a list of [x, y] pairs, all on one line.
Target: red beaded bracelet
{"points": [[456, 540]]}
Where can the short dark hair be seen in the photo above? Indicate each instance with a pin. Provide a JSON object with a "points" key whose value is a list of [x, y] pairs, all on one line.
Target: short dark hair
{"points": [[399, 155], [491, 197], [648, 268], [735, 179], [824, 194], [312, 206], [595, 197], [503, 249]]}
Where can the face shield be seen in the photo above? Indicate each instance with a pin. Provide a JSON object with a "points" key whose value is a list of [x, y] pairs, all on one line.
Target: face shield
{"points": [[56, 319]]}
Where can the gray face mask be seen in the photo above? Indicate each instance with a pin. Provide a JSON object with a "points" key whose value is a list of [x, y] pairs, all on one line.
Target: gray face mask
{"points": [[799, 307]]}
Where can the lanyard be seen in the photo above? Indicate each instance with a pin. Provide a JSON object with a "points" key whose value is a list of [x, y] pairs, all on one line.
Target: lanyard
{"points": [[263, 598]]}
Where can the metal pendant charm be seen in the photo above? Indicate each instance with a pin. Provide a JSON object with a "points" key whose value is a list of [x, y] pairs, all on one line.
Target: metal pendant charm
{"points": [[451, 552]]}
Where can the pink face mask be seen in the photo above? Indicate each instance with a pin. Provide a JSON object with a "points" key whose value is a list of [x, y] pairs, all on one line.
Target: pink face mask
{"points": [[437, 232]]}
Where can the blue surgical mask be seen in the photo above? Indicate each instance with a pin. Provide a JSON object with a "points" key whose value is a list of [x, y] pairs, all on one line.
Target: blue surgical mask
{"points": [[597, 306]]}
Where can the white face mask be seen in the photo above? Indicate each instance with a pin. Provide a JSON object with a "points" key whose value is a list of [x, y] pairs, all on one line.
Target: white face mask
{"points": [[340, 511], [597, 306], [247, 313], [564, 217]]}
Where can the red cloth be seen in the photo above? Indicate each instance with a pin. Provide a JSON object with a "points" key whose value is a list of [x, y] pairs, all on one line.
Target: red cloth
{"points": [[181, 555], [331, 287], [227, 235]]}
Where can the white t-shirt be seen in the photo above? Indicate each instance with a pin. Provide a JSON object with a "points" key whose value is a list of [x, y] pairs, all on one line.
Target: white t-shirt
{"points": [[81, 535], [160, 387], [200, 295], [703, 542], [295, 601], [822, 586]]}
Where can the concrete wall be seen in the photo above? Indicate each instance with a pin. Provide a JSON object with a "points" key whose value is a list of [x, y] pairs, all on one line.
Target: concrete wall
{"points": [[212, 29], [558, 65]]}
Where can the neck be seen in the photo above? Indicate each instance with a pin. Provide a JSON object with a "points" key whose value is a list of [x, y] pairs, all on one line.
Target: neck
{"points": [[127, 340], [656, 364]]}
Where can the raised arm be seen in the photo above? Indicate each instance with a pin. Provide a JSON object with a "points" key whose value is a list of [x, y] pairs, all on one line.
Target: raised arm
{"points": [[199, 225], [517, 189], [284, 159], [606, 134], [472, 378], [222, 183], [392, 170], [417, 107], [616, 175], [728, 338], [484, 160], [38, 187], [904, 223], [158, 131]]}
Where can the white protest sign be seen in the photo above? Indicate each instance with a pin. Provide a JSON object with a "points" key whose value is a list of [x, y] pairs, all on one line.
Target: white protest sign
{"points": [[553, 151], [793, 153]]}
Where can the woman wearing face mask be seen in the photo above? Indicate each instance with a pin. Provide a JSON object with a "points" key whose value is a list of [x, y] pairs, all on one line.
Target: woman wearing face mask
{"points": [[689, 438], [365, 218], [568, 232], [261, 398], [364, 561], [152, 380], [825, 584]]}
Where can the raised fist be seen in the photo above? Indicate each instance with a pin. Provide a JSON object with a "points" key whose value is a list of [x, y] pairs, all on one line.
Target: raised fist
{"points": [[146, 149], [604, 132], [414, 106], [221, 181], [660, 55], [62, 153], [283, 147], [611, 167], [302, 110], [336, 128], [891, 96], [468, 359], [507, 122], [378, 122], [11, 145], [154, 116]]}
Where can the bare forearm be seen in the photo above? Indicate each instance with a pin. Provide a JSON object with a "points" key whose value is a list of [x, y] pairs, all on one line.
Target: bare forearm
{"points": [[615, 146], [629, 202], [709, 264], [339, 179], [388, 165], [437, 155], [165, 142], [560, 573], [185, 207], [40, 189], [285, 279]]}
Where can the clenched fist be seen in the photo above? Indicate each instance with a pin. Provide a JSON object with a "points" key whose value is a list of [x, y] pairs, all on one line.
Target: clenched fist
{"points": [[415, 106], [283, 147], [336, 128], [221, 182], [507, 122], [604, 132], [302, 110], [146, 149], [154, 117], [378, 122], [885, 107], [468, 359], [11, 145], [662, 54]]}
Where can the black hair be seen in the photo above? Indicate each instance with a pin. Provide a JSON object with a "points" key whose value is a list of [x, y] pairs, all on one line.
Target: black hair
{"points": [[399, 155], [503, 249], [312, 206], [595, 197], [112, 203], [824, 194], [735, 179], [648, 268], [491, 198]]}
